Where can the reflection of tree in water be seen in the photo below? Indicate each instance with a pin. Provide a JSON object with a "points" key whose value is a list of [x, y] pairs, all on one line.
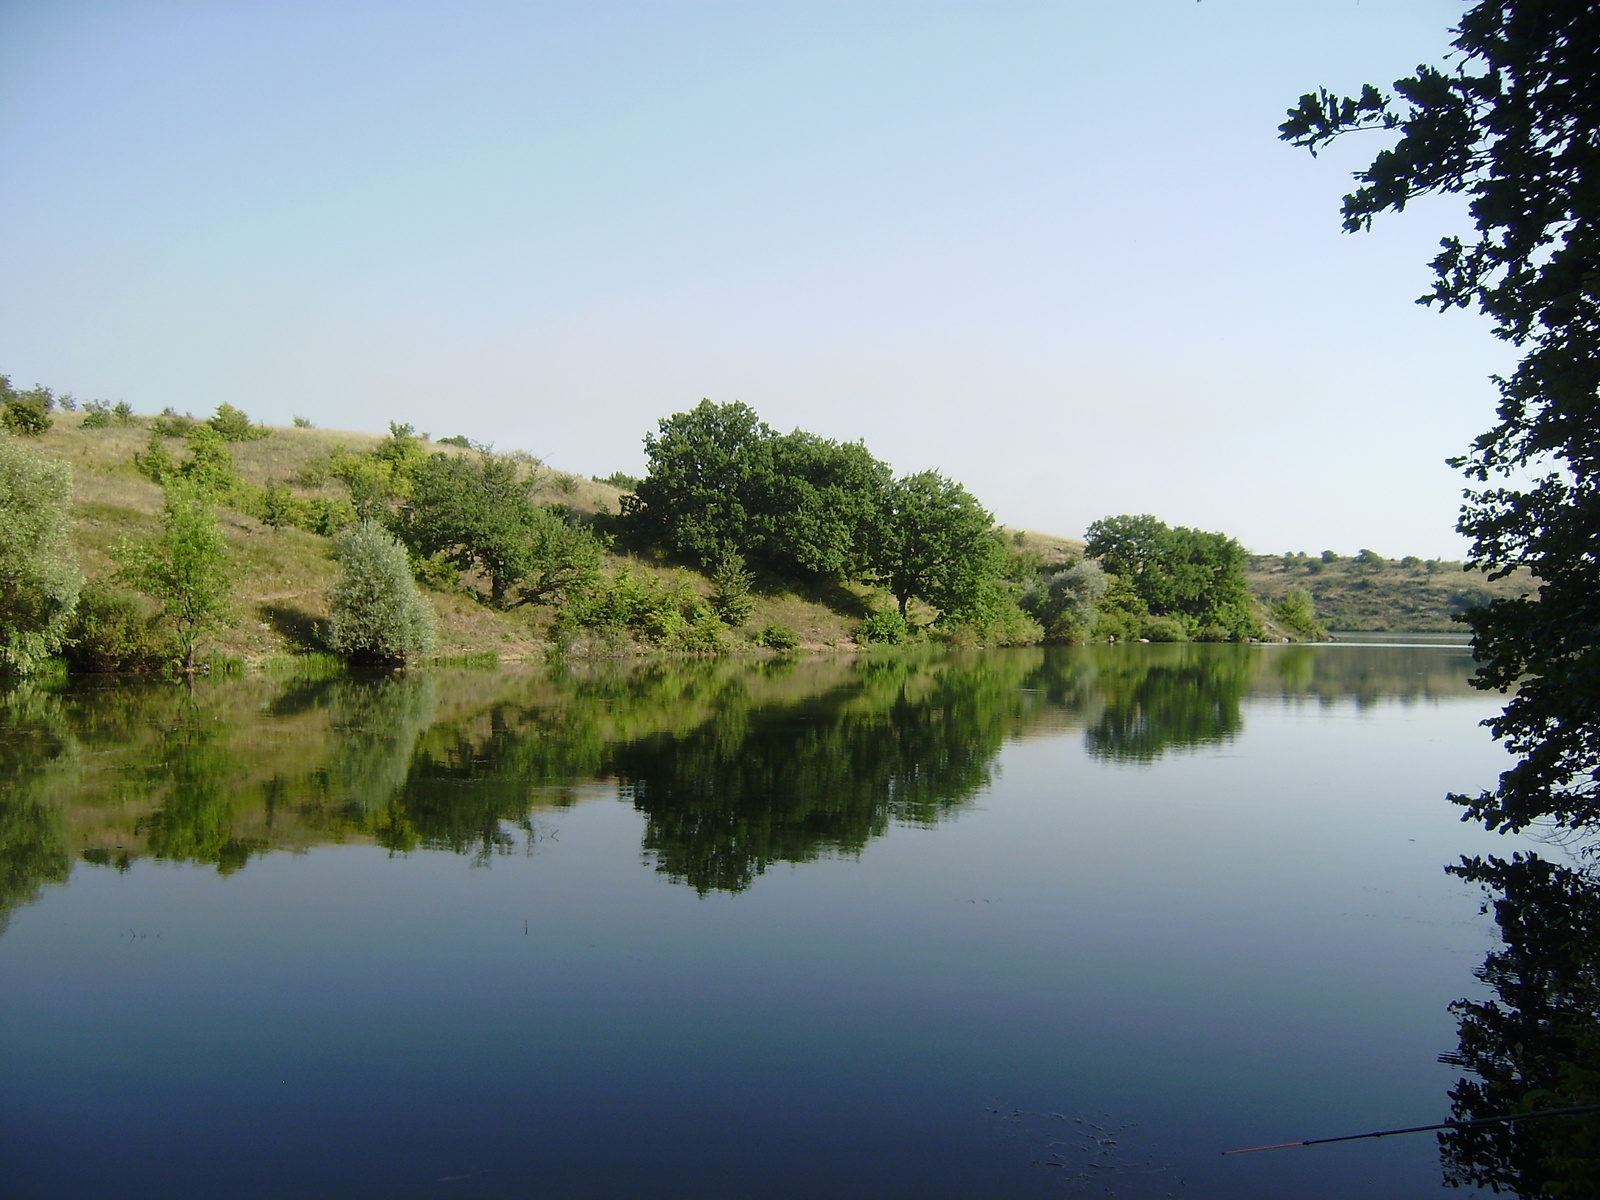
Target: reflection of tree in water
{"points": [[1159, 698], [1536, 1044], [34, 746], [758, 784]]}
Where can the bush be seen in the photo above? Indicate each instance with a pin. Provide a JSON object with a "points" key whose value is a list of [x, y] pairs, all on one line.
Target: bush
{"points": [[39, 581], [1297, 613], [24, 417], [1065, 603], [171, 424], [96, 415], [732, 599], [1165, 629], [185, 568], [775, 636], [379, 617], [234, 425], [122, 412], [112, 631], [673, 616], [886, 628], [303, 423]]}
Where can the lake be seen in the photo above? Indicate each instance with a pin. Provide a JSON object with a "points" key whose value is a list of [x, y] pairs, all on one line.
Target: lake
{"points": [[1022, 923]]}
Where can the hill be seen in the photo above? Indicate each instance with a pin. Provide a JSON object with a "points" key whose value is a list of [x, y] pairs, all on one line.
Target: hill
{"points": [[284, 574], [1370, 594]]}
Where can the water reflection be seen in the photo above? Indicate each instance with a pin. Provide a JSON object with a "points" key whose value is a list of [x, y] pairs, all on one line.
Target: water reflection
{"points": [[1536, 1043], [735, 766]]}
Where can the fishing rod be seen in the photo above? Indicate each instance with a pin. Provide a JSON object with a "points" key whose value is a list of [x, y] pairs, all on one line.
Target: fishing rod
{"points": [[1356, 1137]]}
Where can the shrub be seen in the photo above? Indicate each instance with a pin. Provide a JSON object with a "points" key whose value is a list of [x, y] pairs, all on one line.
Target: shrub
{"points": [[1297, 613], [379, 617], [171, 424], [113, 630], [459, 439], [776, 636], [303, 423], [96, 415], [185, 568], [122, 411], [24, 417], [1065, 603], [674, 615], [619, 479], [234, 425], [886, 628], [732, 599], [1165, 629], [39, 581]]}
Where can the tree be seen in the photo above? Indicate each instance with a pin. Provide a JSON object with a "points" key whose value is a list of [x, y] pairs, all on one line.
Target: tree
{"points": [[1511, 125], [234, 425], [1187, 574], [379, 617], [39, 581], [722, 482], [185, 568], [934, 542], [692, 499], [1065, 603], [478, 512]]}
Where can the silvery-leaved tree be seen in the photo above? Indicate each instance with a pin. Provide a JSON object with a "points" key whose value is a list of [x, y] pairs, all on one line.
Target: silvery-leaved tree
{"points": [[39, 580]]}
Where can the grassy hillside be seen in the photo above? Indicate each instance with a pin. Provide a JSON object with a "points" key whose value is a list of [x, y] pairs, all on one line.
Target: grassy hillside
{"points": [[1382, 595], [284, 574]]}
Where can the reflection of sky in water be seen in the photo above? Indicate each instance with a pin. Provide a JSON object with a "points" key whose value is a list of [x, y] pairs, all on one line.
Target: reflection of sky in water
{"points": [[1249, 941]]}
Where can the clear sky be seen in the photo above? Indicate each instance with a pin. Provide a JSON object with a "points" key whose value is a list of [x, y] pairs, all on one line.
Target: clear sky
{"points": [[1054, 250]]}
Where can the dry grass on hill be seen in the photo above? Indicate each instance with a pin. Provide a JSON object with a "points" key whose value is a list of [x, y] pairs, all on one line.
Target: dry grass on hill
{"points": [[284, 575]]}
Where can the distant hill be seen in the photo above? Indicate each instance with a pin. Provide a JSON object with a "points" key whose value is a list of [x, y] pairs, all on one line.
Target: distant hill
{"points": [[1378, 595]]}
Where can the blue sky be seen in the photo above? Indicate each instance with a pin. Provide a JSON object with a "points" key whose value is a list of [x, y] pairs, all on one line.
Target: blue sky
{"points": [[1054, 250]]}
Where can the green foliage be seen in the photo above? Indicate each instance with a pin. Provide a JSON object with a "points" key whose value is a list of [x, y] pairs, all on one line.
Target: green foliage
{"points": [[459, 439], [777, 636], [619, 479], [234, 425], [1371, 559], [1187, 574], [24, 415], [1328, 556], [280, 507], [1297, 613], [122, 412], [723, 482], [113, 631], [1065, 603], [378, 616], [378, 479], [732, 599], [886, 628], [1509, 123], [208, 468], [637, 604], [96, 415], [172, 424], [39, 581], [185, 568], [935, 543], [303, 423], [1121, 611], [1165, 629], [478, 513]]}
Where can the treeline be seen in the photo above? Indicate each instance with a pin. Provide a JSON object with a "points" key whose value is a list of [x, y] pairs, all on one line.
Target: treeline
{"points": [[752, 509]]}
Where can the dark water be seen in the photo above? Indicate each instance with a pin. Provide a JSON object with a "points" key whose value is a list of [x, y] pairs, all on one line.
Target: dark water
{"points": [[1012, 924]]}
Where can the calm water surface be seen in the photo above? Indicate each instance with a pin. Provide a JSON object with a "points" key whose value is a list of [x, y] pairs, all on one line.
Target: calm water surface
{"points": [[1012, 924]]}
